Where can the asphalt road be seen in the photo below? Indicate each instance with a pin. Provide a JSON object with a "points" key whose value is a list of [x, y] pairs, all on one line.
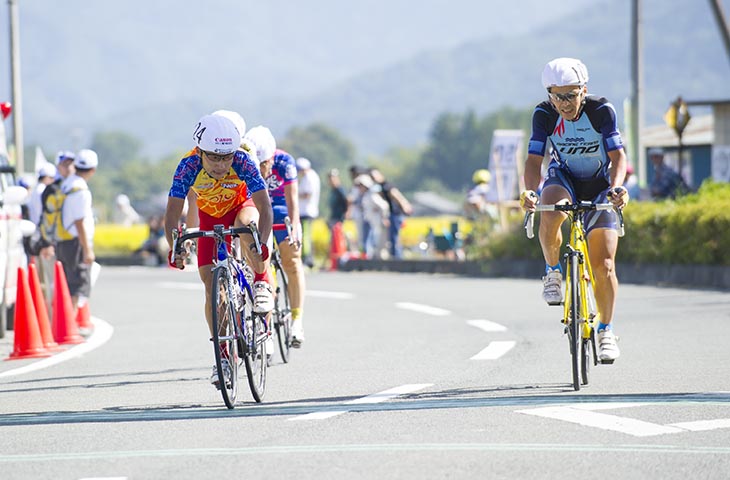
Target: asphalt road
{"points": [[401, 376]]}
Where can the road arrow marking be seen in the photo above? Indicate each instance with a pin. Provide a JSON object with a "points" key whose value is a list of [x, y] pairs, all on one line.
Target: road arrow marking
{"points": [[487, 326]]}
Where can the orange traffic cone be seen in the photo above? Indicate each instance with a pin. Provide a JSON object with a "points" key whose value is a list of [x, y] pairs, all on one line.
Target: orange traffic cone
{"points": [[65, 329], [338, 245], [44, 324], [83, 316], [28, 342]]}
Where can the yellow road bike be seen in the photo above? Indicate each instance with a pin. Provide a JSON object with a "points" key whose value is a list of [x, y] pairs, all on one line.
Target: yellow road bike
{"points": [[580, 314]]}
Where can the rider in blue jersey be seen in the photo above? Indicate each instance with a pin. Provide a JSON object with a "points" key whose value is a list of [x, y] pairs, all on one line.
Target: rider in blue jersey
{"points": [[587, 162], [279, 171]]}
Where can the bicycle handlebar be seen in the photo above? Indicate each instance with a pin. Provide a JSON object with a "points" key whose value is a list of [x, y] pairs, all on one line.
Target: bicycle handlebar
{"points": [[178, 239], [580, 207]]}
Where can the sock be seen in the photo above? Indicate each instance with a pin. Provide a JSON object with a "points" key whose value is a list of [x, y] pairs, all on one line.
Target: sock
{"points": [[261, 277], [604, 326], [296, 313], [552, 268]]}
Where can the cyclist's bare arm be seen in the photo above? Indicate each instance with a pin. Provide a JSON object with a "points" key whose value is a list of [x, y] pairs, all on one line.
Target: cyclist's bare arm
{"points": [[291, 194], [173, 211], [617, 174], [266, 216], [533, 174]]}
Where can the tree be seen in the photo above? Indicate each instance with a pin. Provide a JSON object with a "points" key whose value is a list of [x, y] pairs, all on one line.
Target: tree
{"points": [[324, 146], [115, 148]]}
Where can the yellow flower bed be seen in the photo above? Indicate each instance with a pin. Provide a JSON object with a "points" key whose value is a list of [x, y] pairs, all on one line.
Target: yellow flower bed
{"points": [[118, 240]]}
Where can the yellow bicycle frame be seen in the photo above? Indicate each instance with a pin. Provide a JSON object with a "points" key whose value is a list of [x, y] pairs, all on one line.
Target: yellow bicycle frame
{"points": [[588, 312]]}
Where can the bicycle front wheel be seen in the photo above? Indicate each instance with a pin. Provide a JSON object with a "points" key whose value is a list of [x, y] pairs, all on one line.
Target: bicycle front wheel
{"points": [[586, 357], [574, 330], [225, 335], [282, 313]]}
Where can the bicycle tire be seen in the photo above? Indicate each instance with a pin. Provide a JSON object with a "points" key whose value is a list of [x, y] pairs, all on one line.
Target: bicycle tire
{"points": [[282, 313], [574, 333], [586, 356], [225, 334], [254, 357]]}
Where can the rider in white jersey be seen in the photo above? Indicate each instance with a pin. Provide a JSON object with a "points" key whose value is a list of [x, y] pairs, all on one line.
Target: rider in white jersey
{"points": [[588, 162]]}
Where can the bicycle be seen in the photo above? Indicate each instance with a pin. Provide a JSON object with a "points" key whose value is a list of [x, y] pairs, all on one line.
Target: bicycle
{"points": [[282, 314], [579, 308], [238, 332]]}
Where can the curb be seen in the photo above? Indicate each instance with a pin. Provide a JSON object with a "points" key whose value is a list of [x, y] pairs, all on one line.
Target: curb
{"points": [[686, 276]]}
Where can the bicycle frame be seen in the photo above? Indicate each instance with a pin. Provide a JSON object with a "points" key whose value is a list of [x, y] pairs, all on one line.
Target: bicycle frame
{"points": [[578, 246]]}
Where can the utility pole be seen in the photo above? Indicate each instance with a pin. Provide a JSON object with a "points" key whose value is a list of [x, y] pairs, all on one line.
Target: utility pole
{"points": [[637, 94], [722, 24], [15, 78]]}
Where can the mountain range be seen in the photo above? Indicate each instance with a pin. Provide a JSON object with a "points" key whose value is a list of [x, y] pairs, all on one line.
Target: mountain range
{"points": [[378, 71]]}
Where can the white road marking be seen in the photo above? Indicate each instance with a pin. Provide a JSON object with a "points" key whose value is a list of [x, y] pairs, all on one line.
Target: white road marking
{"points": [[103, 478], [487, 326], [101, 334], [494, 350], [582, 415], [374, 398], [182, 285], [420, 308], [326, 294], [703, 425]]}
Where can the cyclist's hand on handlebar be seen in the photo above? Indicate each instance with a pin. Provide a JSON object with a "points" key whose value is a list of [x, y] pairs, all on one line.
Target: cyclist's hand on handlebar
{"points": [[619, 196], [528, 200], [177, 260]]}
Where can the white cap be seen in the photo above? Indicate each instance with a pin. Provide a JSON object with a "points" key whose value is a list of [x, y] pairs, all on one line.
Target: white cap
{"points": [[564, 71], [86, 159], [303, 163], [263, 140], [236, 118], [216, 134], [47, 170], [63, 155], [365, 180]]}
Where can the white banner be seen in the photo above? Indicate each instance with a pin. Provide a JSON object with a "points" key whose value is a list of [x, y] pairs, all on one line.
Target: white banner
{"points": [[506, 152], [721, 163]]}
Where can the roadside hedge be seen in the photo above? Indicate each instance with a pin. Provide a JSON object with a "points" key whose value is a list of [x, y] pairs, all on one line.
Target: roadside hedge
{"points": [[694, 229]]}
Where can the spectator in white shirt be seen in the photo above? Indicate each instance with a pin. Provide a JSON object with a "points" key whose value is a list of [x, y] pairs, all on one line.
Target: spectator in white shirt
{"points": [[309, 186]]}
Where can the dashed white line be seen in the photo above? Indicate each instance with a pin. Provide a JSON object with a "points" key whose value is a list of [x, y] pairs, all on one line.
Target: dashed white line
{"points": [[487, 326], [374, 398], [326, 294], [420, 308], [494, 350]]}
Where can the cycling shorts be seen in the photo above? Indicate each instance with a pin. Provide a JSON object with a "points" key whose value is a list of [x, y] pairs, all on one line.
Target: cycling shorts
{"points": [[594, 190], [206, 245], [280, 213]]}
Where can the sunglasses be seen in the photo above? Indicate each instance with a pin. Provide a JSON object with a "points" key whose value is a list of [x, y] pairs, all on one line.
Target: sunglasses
{"points": [[215, 158], [564, 97]]}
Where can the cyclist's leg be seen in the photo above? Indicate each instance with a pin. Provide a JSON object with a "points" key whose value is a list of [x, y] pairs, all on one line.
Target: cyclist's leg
{"points": [[550, 239], [291, 262], [263, 293], [602, 238]]}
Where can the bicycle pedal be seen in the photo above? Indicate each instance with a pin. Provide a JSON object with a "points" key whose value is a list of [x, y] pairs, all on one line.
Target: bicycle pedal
{"points": [[607, 362]]}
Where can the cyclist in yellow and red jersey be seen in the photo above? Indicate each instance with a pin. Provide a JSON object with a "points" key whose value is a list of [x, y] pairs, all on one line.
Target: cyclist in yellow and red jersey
{"points": [[224, 178], [280, 173]]}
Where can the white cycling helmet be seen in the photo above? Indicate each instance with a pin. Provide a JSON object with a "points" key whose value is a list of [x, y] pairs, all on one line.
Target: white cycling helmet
{"points": [[564, 71], [216, 134], [263, 140], [236, 118]]}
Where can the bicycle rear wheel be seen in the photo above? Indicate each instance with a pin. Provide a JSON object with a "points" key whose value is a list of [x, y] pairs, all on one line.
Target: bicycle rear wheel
{"points": [[254, 354], [282, 313], [225, 335], [574, 331]]}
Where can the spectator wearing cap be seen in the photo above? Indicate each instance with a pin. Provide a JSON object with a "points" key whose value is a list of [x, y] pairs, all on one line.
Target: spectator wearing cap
{"points": [[398, 206], [46, 246], [309, 188], [77, 253], [666, 183], [376, 213], [46, 176]]}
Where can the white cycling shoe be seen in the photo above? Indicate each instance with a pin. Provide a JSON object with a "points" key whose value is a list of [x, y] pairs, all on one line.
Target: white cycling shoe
{"points": [[607, 347], [297, 333], [552, 287], [226, 373], [263, 297]]}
